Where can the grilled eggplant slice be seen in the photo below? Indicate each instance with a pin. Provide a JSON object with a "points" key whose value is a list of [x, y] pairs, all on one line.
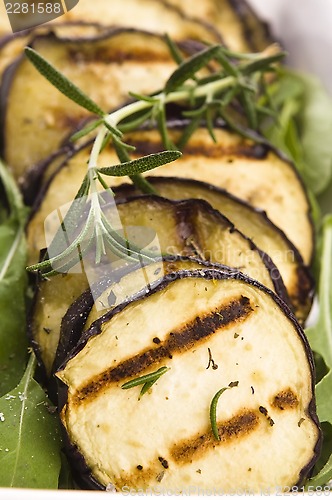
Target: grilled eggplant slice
{"points": [[251, 222], [189, 228], [254, 172], [36, 117], [265, 433]]}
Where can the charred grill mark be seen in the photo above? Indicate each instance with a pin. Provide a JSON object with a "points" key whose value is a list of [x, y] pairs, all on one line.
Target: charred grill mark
{"points": [[285, 400], [197, 330], [236, 427]]}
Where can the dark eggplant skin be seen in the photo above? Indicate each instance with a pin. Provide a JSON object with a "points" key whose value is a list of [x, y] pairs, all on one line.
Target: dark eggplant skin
{"points": [[81, 470]]}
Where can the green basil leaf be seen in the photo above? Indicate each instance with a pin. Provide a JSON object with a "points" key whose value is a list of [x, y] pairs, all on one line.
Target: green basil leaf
{"points": [[141, 165], [13, 284], [62, 83], [29, 436]]}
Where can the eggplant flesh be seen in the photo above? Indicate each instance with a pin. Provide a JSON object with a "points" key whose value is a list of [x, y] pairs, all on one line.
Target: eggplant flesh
{"points": [[188, 228], [253, 223], [267, 436]]}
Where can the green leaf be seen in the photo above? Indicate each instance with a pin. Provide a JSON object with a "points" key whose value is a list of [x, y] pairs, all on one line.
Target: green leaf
{"points": [[29, 437], [316, 132], [190, 66], [62, 83], [13, 284], [323, 476], [320, 335], [141, 165], [320, 338]]}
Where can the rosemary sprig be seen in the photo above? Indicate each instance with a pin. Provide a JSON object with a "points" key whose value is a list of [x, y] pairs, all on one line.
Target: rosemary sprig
{"points": [[234, 80], [146, 381], [213, 408]]}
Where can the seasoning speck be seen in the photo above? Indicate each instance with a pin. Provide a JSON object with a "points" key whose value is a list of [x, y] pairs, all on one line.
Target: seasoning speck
{"points": [[300, 421], [163, 462]]}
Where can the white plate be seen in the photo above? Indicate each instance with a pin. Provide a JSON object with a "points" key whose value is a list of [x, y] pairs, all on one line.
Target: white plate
{"points": [[305, 29]]}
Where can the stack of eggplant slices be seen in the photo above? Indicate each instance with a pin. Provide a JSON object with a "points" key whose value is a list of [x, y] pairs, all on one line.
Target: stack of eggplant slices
{"points": [[189, 371]]}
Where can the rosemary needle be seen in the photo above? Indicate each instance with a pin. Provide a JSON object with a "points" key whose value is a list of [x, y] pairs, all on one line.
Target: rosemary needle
{"points": [[213, 408], [146, 380]]}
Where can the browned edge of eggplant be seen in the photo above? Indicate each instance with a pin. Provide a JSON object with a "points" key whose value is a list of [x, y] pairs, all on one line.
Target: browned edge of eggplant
{"points": [[81, 471], [304, 272], [249, 21]]}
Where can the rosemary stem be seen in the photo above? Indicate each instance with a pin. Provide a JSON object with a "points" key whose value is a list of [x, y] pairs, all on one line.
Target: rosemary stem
{"points": [[114, 118], [96, 148], [200, 91]]}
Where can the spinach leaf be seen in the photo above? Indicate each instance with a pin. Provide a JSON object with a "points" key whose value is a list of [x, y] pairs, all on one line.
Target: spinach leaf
{"points": [[13, 282], [320, 338], [29, 436]]}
